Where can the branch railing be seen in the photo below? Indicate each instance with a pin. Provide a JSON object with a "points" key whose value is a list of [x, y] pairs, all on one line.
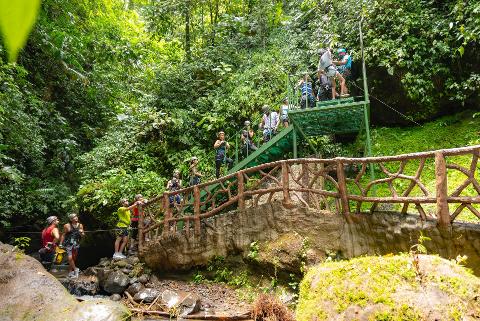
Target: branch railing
{"points": [[341, 185]]}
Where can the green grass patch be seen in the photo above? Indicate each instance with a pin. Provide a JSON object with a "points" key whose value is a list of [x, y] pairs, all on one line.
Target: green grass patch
{"points": [[447, 132]]}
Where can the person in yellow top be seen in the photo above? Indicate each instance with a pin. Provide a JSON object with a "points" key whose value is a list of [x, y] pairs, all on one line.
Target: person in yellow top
{"points": [[122, 228]]}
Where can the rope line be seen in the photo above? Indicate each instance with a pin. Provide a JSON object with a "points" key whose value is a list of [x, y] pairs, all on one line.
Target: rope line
{"points": [[387, 105], [92, 231]]}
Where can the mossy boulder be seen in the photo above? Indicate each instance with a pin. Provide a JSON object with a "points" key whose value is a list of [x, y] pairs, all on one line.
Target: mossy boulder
{"points": [[28, 292], [389, 288]]}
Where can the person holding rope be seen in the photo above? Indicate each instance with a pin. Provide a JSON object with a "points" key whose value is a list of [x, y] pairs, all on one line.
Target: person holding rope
{"points": [[123, 224], [327, 65], [70, 240], [221, 147]]}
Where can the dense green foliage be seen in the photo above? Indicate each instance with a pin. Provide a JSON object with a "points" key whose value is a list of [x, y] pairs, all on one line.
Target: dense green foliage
{"points": [[109, 96]]}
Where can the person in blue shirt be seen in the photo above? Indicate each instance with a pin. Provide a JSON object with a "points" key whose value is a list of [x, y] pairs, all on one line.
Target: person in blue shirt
{"points": [[305, 85]]}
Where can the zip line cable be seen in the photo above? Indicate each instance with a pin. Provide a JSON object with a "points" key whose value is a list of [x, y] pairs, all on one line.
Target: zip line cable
{"points": [[93, 231], [387, 105]]}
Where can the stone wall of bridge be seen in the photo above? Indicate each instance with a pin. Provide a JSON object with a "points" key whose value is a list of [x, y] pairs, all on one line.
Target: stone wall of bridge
{"points": [[327, 233]]}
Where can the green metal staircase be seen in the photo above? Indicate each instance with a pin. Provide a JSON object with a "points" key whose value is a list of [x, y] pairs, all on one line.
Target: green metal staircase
{"points": [[339, 116]]}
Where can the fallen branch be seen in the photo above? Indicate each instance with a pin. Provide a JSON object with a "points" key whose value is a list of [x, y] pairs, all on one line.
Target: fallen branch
{"points": [[160, 313], [131, 299]]}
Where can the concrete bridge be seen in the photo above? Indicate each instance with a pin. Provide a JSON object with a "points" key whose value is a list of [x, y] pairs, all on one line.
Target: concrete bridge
{"points": [[334, 202]]}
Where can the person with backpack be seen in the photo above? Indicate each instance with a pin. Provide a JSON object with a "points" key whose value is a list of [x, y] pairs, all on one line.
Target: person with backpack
{"points": [[344, 65], [324, 87], [50, 239], [305, 85], [221, 146], [70, 240], [326, 65]]}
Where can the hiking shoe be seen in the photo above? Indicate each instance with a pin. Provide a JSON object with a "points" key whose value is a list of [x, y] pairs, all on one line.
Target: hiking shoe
{"points": [[77, 272], [121, 256], [344, 95], [115, 256], [71, 274]]}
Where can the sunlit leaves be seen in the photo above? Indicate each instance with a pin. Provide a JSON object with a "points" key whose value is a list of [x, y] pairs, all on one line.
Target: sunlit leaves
{"points": [[16, 20]]}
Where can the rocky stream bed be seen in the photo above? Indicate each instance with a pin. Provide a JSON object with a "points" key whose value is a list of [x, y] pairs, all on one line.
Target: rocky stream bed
{"points": [[144, 293]]}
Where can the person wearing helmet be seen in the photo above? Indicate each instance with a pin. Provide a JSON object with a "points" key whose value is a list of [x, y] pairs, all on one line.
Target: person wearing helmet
{"points": [[123, 224], [344, 65], [327, 65], [174, 185], [247, 146], [72, 233], [221, 146], [269, 124], [195, 175], [50, 238]]}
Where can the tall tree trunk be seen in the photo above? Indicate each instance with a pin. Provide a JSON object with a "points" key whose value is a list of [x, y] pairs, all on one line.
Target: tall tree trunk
{"points": [[188, 53]]}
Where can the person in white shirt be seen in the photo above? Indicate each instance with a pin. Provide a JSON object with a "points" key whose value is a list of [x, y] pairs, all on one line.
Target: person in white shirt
{"points": [[269, 124], [284, 112], [327, 65]]}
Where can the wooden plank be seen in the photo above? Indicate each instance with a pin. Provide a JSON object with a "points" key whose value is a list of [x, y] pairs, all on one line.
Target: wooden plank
{"points": [[443, 214]]}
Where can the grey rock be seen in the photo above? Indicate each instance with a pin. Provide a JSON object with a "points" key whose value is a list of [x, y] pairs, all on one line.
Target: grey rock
{"points": [[116, 282], [135, 288], [83, 285], [129, 266], [133, 280], [133, 260], [115, 297], [183, 302], [143, 278], [146, 295], [126, 271]]}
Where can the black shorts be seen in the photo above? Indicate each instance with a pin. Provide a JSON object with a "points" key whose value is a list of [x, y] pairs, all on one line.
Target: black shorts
{"points": [[121, 231], [134, 230]]}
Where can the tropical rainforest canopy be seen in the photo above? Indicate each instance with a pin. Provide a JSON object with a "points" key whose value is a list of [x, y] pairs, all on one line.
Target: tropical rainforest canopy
{"points": [[107, 97]]}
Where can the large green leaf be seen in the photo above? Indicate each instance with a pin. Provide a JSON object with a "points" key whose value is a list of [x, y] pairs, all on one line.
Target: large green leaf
{"points": [[16, 20]]}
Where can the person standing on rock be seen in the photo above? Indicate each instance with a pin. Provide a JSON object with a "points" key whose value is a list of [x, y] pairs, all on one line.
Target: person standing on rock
{"points": [[134, 219], [50, 238], [122, 228], [72, 233]]}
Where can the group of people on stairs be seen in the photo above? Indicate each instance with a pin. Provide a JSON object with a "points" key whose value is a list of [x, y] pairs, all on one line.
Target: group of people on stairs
{"points": [[329, 73]]}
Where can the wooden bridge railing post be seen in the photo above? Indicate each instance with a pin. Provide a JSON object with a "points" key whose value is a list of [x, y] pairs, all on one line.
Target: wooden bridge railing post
{"points": [[342, 190], [443, 215], [241, 190], [140, 228], [196, 208], [306, 182], [167, 214], [287, 201]]}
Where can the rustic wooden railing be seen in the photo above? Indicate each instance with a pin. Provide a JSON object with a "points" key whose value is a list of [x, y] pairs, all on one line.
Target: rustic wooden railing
{"points": [[339, 185]]}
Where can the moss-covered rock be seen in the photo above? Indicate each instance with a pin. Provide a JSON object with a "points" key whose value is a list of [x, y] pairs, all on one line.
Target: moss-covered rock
{"points": [[389, 288], [28, 292]]}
